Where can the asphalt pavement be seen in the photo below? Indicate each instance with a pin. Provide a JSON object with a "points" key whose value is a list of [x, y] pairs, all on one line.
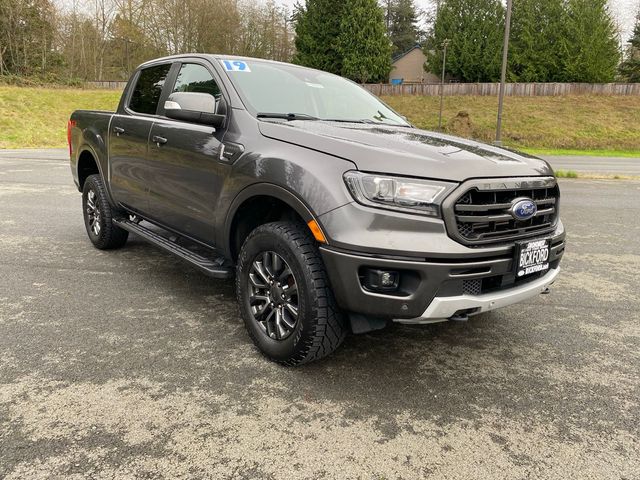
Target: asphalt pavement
{"points": [[628, 166], [131, 364]]}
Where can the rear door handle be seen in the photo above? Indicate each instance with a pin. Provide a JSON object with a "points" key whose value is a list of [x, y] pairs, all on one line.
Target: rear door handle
{"points": [[118, 130], [158, 140]]}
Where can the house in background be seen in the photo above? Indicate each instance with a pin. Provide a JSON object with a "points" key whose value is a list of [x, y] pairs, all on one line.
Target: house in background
{"points": [[408, 67]]}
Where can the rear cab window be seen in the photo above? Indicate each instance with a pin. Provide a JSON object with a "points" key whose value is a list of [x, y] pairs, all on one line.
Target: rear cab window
{"points": [[146, 94]]}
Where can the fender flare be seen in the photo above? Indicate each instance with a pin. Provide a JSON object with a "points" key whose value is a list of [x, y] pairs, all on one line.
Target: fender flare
{"points": [[87, 146], [263, 189]]}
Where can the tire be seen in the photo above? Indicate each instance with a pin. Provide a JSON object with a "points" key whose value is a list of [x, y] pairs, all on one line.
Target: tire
{"points": [[319, 327], [98, 216]]}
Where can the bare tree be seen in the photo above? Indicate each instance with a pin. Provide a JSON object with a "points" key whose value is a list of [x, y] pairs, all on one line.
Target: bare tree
{"points": [[106, 39]]}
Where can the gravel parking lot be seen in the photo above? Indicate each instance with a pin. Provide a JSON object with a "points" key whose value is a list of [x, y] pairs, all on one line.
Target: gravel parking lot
{"points": [[131, 364]]}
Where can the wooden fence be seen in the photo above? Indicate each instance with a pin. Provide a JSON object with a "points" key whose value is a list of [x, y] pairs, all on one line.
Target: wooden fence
{"points": [[490, 89], [106, 84], [511, 89]]}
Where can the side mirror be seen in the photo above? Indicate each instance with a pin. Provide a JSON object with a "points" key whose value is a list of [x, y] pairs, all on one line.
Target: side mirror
{"points": [[194, 107]]}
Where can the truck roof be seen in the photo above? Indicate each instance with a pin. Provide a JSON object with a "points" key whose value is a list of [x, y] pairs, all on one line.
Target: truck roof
{"points": [[210, 56]]}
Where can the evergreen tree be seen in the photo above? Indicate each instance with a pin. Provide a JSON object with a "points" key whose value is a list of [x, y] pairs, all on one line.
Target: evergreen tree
{"points": [[630, 67], [475, 29], [387, 7], [590, 48], [317, 26], [402, 25], [363, 44], [537, 31]]}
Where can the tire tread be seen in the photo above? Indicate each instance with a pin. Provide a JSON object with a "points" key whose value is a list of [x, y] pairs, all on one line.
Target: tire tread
{"points": [[329, 327], [114, 236]]}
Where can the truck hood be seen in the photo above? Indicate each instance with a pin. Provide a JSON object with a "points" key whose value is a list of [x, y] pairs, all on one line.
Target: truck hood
{"points": [[406, 151]]}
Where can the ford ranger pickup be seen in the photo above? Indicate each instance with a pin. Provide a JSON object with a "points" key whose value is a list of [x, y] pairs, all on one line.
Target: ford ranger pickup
{"points": [[331, 211]]}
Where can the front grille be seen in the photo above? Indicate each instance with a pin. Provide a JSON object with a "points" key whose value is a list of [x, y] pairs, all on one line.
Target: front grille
{"points": [[480, 215]]}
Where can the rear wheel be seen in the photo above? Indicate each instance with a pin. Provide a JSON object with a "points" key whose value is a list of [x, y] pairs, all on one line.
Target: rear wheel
{"points": [[98, 216], [286, 303]]}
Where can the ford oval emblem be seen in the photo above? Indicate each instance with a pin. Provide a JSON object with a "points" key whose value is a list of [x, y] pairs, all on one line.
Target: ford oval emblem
{"points": [[523, 208]]}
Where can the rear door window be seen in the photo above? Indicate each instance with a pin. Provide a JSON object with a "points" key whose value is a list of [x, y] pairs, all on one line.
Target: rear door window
{"points": [[146, 94]]}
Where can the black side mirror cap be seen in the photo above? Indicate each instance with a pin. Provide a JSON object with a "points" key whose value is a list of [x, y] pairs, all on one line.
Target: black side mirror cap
{"points": [[203, 118]]}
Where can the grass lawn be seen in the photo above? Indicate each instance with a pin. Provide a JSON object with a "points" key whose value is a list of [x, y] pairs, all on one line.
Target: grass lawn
{"points": [[593, 124], [571, 151], [599, 125], [37, 117]]}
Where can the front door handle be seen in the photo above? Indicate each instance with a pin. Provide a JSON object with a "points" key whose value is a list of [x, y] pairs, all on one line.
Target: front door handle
{"points": [[158, 140], [118, 130]]}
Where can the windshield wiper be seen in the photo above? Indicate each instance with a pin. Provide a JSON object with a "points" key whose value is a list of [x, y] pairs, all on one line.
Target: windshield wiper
{"points": [[287, 116], [348, 120], [304, 116], [367, 121]]}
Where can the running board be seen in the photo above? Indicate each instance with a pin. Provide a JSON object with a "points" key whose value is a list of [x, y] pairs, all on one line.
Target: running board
{"points": [[213, 267]]}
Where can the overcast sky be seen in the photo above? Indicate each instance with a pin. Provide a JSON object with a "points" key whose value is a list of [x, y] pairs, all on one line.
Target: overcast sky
{"points": [[624, 12]]}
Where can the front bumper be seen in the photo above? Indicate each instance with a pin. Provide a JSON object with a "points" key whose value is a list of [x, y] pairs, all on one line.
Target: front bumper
{"points": [[435, 287], [442, 308]]}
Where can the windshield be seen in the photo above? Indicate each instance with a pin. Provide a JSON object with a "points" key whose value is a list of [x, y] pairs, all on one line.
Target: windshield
{"points": [[272, 88]]}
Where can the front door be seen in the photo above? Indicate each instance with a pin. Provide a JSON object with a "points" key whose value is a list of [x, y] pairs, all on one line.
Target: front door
{"points": [[128, 139], [187, 175]]}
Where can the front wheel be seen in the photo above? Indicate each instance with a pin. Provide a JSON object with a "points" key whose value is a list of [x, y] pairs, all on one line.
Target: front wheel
{"points": [[285, 300], [98, 216]]}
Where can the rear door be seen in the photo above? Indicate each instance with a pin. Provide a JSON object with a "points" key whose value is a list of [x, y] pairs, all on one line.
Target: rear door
{"points": [[128, 138], [184, 157]]}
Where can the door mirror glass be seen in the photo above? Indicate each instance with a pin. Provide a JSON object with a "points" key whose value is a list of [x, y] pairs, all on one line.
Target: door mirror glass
{"points": [[194, 107]]}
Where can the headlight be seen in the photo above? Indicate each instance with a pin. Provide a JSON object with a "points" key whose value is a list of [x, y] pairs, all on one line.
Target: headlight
{"points": [[397, 193]]}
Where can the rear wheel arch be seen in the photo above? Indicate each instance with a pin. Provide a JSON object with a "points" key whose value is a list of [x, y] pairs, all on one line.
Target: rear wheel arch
{"points": [[87, 165]]}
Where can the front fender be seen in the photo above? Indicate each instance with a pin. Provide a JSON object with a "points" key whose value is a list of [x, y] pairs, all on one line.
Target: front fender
{"points": [[308, 181], [263, 189]]}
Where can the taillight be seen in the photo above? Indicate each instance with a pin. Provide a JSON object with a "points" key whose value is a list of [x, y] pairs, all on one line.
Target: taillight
{"points": [[70, 125]]}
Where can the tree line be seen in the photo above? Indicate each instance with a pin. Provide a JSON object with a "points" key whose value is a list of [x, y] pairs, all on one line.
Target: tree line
{"points": [[630, 67], [107, 39], [551, 40], [355, 38]]}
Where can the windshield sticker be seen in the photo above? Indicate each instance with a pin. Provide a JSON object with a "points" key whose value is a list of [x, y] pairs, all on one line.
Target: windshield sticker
{"points": [[235, 66]]}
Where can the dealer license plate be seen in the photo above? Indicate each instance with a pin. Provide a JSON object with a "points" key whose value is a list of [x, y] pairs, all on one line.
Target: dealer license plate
{"points": [[532, 257]]}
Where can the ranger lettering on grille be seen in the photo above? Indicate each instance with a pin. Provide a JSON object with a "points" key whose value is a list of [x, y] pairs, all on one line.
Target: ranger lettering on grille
{"points": [[484, 212]]}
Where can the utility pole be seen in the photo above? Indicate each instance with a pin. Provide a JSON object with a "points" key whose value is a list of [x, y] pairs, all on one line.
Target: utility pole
{"points": [[445, 43], [503, 75]]}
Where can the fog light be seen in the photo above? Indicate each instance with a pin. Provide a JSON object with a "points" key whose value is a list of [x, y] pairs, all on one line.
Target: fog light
{"points": [[381, 280], [387, 279]]}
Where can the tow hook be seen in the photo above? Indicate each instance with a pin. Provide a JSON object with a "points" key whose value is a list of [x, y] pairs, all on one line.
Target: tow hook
{"points": [[546, 291]]}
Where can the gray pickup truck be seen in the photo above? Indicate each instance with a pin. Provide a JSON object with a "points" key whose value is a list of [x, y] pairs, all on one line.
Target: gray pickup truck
{"points": [[332, 212]]}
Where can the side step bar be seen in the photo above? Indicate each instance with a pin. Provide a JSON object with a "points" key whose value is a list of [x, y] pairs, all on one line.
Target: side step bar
{"points": [[214, 267]]}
